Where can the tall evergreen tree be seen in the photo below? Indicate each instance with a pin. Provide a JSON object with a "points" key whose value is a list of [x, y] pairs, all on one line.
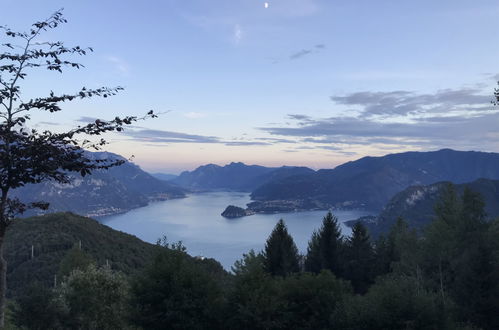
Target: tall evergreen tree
{"points": [[281, 254], [359, 263], [324, 248]]}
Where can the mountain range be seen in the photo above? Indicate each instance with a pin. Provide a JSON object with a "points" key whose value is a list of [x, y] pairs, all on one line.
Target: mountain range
{"points": [[235, 176], [370, 182], [102, 193]]}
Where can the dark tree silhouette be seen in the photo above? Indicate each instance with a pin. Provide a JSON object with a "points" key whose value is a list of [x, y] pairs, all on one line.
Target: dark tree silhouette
{"points": [[359, 263], [280, 257], [32, 156], [324, 248]]}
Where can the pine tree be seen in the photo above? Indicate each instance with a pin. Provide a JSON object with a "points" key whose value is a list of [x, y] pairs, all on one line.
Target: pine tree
{"points": [[359, 263], [281, 254], [324, 248]]}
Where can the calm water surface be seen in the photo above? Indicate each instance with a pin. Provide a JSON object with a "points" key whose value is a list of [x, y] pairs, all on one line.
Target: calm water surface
{"points": [[196, 221]]}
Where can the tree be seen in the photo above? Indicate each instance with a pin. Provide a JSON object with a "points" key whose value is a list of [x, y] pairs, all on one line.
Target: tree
{"points": [[37, 309], [359, 255], [174, 292], [324, 249], [280, 254], [31, 156], [94, 298], [74, 259]]}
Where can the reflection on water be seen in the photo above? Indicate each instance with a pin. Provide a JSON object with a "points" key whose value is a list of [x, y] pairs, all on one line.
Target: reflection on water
{"points": [[196, 221]]}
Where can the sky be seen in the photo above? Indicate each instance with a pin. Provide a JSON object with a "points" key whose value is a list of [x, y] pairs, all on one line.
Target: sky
{"points": [[292, 82]]}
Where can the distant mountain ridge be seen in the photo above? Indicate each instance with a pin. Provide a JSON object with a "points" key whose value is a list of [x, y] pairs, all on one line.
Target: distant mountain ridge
{"points": [[105, 192], [416, 204], [235, 176], [370, 182], [164, 176]]}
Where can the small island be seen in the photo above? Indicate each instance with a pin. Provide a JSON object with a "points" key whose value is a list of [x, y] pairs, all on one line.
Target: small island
{"points": [[232, 212]]}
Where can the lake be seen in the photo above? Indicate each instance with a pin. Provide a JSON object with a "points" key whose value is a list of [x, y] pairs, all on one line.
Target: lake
{"points": [[196, 221]]}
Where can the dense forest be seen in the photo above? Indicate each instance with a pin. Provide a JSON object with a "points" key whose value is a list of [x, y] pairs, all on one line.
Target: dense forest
{"points": [[445, 277]]}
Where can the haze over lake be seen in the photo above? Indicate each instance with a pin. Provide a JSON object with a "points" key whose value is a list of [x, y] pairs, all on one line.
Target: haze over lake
{"points": [[197, 222]]}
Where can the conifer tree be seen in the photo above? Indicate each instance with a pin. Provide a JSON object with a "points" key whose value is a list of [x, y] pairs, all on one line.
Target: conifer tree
{"points": [[359, 259], [281, 254], [324, 248]]}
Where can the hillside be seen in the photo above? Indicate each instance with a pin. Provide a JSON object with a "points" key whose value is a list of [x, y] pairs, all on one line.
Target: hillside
{"points": [[235, 176], [416, 204], [53, 235], [370, 182], [116, 190]]}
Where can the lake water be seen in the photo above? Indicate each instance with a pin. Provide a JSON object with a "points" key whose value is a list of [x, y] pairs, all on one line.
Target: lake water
{"points": [[196, 221]]}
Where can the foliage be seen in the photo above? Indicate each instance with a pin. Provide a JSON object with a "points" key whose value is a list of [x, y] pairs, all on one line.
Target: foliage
{"points": [[392, 303], [325, 247], [37, 309], [298, 301], [175, 292], [280, 254], [54, 235], [253, 302], [94, 298], [75, 259], [359, 262]]}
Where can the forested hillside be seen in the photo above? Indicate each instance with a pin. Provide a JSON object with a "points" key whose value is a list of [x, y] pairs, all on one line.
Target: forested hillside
{"points": [[442, 278]]}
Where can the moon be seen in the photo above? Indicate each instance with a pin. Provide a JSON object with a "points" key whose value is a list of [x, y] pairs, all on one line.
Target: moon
{"points": [[266, 5]]}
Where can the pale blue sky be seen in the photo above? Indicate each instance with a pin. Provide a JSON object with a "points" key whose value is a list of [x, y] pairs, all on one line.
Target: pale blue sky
{"points": [[302, 82]]}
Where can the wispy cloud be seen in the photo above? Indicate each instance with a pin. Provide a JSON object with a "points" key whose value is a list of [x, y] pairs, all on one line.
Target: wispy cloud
{"points": [[160, 136], [407, 102], [120, 65], [460, 118], [237, 34], [49, 123], [304, 52], [299, 54], [86, 119], [195, 115]]}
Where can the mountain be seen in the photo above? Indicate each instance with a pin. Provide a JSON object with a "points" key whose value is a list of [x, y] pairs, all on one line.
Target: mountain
{"points": [[164, 176], [234, 176], [415, 204], [53, 235], [105, 192], [370, 182]]}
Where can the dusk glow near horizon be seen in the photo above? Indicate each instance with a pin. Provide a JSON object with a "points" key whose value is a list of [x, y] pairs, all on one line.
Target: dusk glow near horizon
{"points": [[290, 82]]}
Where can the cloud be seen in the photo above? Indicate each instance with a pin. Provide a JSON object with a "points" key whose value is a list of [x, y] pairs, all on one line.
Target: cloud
{"points": [[304, 52], [459, 118], [151, 136], [299, 117], [246, 143], [194, 115], [49, 123], [159, 136], [407, 102], [120, 65], [300, 54], [237, 34], [86, 120]]}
